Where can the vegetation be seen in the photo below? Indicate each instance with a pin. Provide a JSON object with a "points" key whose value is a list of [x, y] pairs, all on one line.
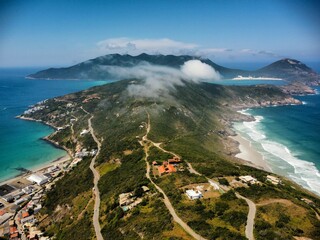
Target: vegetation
{"points": [[192, 123]]}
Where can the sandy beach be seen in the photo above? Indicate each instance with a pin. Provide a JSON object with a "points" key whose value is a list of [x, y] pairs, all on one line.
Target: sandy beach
{"points": [[39, 168], [248, 153]]}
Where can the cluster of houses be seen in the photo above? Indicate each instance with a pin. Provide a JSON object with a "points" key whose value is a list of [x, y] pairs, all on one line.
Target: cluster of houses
{"points": [[170, 166], [37, 107], [26, 201], [25, 220], [251, 180], [79, 155], [85, 153]]}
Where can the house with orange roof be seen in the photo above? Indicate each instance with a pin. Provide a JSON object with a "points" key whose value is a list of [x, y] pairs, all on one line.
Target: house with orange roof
{"points": [[13, 230], [25, 214], [166, 168]]}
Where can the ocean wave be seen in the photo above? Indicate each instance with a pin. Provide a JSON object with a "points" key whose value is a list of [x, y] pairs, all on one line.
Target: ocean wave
{"points": [[280, 158], [254, 132], [244, 111]]}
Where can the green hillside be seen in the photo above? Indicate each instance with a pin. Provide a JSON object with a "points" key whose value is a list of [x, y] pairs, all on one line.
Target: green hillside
{"points": [[192, 121]]}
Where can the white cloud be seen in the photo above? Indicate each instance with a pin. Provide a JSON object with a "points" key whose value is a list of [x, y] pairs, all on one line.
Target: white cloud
{"points": [[159, 80], [137, 46], [195, 70], [132, 46]]}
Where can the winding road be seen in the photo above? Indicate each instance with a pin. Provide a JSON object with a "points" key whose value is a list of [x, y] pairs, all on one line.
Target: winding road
{"points": [[166, 200], [251, 204], [250, 218], [96, 175]]}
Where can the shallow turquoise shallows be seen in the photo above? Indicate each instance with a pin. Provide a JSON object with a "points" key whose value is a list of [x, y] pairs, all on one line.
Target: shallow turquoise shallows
{"points": [[21, 144], [287, 137]]}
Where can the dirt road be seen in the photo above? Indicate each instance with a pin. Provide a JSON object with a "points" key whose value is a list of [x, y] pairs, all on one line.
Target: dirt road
{"points": [[96, 191], [166, 200]]}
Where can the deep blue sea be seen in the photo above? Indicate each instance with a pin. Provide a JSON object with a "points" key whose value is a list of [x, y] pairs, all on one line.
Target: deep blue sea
{"points": [[20, 141], [288, 138]]}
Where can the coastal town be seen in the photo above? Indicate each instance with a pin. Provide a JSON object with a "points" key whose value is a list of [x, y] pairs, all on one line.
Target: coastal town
{"points": [[21, 199]]}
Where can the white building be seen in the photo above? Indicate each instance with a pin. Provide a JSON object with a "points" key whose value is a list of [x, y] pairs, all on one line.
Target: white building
{"points": [[84, 132], [28, 189], [194, 194], [53, 169], [248, 179], [274, 180], [38, 179]]}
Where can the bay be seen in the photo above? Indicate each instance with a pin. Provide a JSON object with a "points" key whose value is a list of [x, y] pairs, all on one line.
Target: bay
{"points": [[21, 144]]}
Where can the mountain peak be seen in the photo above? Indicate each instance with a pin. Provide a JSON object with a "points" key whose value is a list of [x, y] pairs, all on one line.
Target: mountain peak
{"points": [[290, 61], [287, 68]]}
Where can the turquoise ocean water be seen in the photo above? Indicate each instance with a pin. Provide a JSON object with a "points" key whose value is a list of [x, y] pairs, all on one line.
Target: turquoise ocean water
{"points": [[20, 141], [287, 137]]}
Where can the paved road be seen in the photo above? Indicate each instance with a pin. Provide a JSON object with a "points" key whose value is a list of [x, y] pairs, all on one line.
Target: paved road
{"points": [[252, 206], [166, 200], [250, 218], [96, 178]]}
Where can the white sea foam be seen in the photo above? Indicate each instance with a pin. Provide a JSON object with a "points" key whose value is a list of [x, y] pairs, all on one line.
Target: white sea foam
{"points": [[244, 112], [280, 158]]}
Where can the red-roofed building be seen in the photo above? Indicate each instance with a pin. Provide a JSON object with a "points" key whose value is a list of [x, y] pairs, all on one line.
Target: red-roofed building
{"points": [[166, 168], [2, 212], [25, 214], [13, 230]]}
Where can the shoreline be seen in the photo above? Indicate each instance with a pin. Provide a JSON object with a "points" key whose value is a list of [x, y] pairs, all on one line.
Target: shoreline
{"points": [[249, 154], [253, 157], [43, 166], [39, 168]]}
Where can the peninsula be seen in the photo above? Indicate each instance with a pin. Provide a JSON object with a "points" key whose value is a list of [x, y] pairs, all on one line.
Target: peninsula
{"points": [[163, 166]]}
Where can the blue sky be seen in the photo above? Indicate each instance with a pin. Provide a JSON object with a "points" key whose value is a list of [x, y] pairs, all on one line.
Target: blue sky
{"points": [[62, 33]]}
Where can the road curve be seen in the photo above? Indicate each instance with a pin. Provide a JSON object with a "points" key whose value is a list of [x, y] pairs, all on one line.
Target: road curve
{"points": [[250, 218], [166, 200], [96, 191]]}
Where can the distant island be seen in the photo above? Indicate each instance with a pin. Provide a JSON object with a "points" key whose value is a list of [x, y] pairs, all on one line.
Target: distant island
{"points": [[101, 68], [166, 160]]}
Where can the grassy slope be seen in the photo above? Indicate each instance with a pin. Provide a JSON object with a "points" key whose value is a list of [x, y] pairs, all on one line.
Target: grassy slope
{"points": [[187, 123]]}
